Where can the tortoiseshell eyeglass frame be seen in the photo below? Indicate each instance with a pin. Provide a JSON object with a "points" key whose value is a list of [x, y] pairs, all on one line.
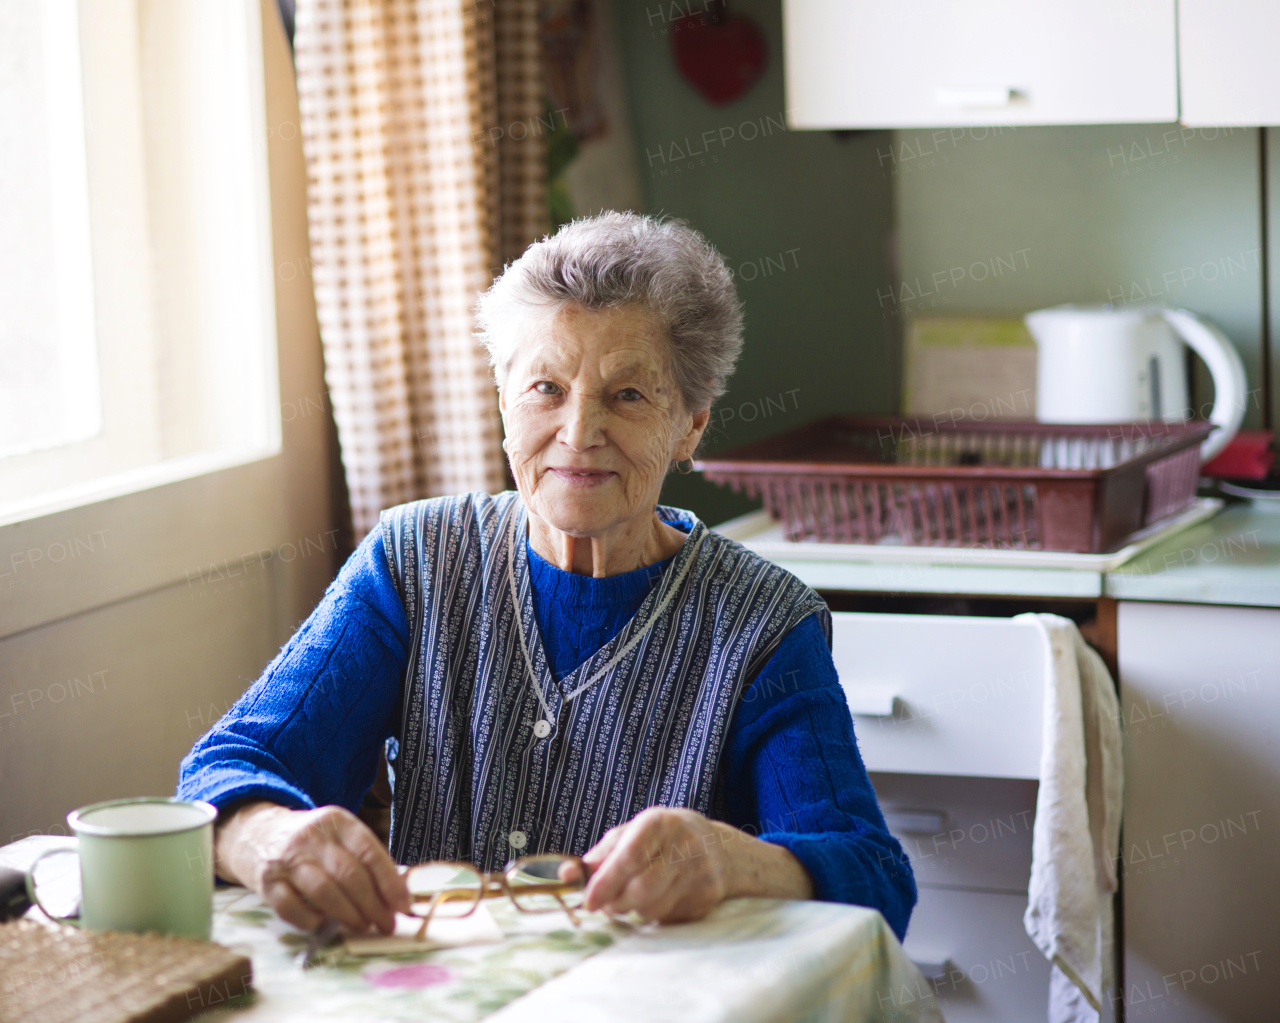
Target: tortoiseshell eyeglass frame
{"points": [[495, 884]]}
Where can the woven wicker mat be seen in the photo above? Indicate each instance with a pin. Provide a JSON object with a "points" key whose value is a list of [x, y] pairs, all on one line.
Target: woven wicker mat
{"points": [[52, 974]]}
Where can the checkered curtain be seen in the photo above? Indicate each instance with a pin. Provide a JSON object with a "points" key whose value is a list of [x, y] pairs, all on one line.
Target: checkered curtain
{"points": [[426, 167]]}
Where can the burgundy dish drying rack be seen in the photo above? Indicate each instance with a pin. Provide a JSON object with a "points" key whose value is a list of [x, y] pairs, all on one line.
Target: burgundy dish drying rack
{"points": [[922, 481]]}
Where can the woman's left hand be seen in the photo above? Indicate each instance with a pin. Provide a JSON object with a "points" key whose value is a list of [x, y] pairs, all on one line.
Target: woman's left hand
{"points": [[672, 864]]}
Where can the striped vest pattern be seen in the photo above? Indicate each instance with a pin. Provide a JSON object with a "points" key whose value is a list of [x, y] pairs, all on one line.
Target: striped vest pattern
{"points": [[473, 778]]}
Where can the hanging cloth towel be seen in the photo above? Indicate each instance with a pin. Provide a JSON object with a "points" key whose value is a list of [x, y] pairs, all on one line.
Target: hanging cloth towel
{"points": [[1075, 842]]}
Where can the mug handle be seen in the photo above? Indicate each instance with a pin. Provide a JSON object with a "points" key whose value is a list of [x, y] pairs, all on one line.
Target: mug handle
{"points": [[34, 896]]}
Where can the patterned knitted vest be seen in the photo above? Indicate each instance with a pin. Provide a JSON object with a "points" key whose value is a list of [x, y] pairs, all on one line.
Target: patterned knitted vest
{"points": [[496, 759]]}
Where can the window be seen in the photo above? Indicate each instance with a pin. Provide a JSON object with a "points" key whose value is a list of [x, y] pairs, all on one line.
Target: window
{"points": [[137, 319]]}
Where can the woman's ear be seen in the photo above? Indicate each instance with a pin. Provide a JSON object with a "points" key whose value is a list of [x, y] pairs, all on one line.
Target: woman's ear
{"points": [[689, 443]]}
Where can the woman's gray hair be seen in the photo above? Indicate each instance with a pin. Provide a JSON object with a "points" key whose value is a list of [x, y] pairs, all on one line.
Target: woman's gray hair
{"points": [[617, 259]]}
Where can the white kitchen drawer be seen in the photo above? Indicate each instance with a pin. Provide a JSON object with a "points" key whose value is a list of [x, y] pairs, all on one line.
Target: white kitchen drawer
{"points": [[962, 832], [932, 63], [992, 972], [937, 694]]}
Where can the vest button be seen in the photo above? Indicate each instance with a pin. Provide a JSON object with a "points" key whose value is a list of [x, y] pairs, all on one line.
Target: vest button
{"points": [[542, 729], [517, 839]]}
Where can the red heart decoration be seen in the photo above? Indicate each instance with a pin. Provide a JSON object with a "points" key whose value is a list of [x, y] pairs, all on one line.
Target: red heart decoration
{"points": [[719, 55]]}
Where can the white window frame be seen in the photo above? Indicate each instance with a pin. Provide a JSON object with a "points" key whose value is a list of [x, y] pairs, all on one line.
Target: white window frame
{"points": [[151, 527]]}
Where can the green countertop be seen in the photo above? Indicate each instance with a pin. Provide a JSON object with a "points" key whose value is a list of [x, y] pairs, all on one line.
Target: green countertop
{"points": [[1234, 558], [968, 580]]}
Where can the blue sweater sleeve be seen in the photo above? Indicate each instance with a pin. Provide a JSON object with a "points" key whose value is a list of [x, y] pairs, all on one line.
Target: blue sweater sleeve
{"points": [[793, 772], [309, 731]]}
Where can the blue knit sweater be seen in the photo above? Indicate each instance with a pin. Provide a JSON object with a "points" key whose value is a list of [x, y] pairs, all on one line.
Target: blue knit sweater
{"points": [[791, 769]]}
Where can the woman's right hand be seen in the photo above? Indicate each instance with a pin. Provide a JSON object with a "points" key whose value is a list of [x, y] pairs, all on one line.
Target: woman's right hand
{"points": [[312, 865]]}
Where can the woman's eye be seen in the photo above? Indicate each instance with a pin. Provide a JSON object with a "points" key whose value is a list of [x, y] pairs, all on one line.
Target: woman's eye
{"points": [[546, 387], [629, 394]]}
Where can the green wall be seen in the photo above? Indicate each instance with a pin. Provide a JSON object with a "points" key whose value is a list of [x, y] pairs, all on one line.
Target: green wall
{"points": [[1120, 213], [1092, 213], [816, 340]]}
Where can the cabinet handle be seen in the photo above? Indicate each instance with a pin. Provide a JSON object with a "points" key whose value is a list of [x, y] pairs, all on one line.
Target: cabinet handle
{"points": [[974, 97], [871, 702], [916, 822], [934, 967]]}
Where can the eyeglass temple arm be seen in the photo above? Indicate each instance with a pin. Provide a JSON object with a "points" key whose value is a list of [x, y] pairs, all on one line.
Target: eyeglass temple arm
{"points": [[442, 896], [436, 899], [568, 910]]}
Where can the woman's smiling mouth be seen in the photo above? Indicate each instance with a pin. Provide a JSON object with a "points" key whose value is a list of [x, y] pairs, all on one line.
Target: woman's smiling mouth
{"points": [[580, 477]]}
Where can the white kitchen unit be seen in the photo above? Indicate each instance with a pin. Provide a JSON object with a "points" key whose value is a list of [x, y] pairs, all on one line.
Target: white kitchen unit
{"points": [[1195, 623], [1227, 67], [948, 712], [1200, 701], [936, 63]]}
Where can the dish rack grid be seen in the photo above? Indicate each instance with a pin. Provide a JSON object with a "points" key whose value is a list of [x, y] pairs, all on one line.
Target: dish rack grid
{"points": [[933, 482]]}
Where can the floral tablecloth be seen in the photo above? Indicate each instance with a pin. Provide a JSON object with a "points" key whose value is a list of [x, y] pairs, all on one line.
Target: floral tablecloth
{"points": [[750, 961], [459, 985]]}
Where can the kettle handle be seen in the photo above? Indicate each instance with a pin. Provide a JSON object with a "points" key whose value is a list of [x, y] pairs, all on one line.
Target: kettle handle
{"points": [[1229, 387]]}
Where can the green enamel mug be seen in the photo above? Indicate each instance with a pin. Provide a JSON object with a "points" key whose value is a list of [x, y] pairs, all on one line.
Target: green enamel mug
{"points": [[145, 865]]}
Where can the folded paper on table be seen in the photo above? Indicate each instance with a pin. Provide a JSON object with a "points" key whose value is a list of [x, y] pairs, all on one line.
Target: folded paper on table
{"points": [[446, 930]]}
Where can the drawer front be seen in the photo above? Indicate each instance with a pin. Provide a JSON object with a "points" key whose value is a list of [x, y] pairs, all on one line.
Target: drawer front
{"points": [[982, 967], [962, 832], [936, 694]]}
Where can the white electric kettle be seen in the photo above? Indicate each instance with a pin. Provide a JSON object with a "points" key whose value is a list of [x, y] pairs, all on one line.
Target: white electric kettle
{"points": [[1102, 364]]}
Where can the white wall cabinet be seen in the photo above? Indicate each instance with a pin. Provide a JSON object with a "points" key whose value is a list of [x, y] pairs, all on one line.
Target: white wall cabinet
{"points": [[1227, 66], [934, 63]]}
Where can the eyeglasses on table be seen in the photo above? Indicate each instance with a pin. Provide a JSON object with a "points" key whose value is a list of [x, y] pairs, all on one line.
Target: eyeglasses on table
{"points": [[545, 883]]}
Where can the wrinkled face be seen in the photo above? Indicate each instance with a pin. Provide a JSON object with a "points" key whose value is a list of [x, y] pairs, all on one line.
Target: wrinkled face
{"points": [[594, 418]]}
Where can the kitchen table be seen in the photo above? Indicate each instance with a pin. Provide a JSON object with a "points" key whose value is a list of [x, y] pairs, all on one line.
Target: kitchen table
{"points": [[750, 960]]}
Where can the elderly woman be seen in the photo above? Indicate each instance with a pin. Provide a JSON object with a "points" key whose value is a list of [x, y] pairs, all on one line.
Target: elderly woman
{"points": [[568, 668]]}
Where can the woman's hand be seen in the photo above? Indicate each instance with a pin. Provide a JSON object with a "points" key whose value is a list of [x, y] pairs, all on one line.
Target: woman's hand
{"points": [[673, 864], [310, 865]]}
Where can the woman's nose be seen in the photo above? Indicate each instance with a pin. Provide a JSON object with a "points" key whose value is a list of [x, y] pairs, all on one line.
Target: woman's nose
{"points": [[584, 424]]}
